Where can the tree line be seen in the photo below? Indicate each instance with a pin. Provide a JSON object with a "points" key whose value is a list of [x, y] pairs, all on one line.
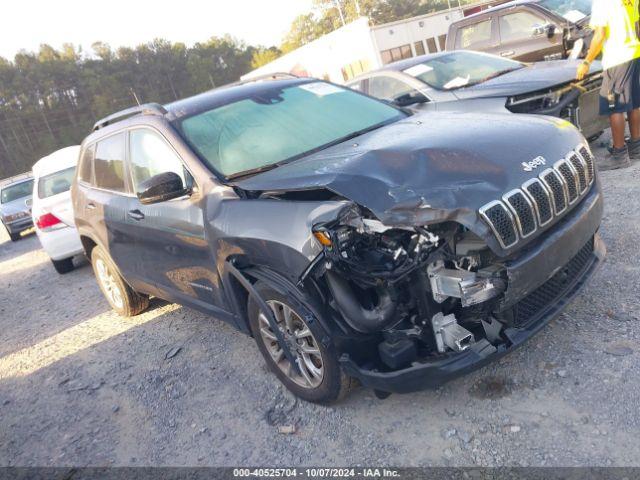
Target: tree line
{"points": [[50, 99]]}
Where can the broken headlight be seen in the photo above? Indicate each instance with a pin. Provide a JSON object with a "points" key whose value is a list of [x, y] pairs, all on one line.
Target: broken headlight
{"points": [[534, 102]]}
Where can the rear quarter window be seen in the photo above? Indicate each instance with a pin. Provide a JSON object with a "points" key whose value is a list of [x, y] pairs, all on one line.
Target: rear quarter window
{"points": [[108, 165], [85, 168]]}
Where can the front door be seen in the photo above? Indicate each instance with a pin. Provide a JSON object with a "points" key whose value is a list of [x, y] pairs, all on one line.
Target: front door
{"points": [[174, 250], [529, 37]]}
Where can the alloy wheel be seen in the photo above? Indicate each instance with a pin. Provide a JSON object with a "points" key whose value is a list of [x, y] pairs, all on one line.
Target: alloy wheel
{"points": [[301, 342], [109, 284]]}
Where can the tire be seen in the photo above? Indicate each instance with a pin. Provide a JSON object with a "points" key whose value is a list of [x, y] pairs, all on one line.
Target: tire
{"points": [[333, 384], [14, 236], [125, 301], [63, 266]]}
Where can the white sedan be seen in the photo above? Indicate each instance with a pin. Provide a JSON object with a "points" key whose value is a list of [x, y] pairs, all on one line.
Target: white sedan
{"points": [[52, 209]]}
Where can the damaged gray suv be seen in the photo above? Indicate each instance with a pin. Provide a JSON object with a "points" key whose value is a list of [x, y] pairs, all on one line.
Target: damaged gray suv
{"points": [[351, 239]]}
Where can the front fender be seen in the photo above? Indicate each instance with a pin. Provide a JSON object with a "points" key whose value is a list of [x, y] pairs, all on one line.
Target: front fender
{"points": [[271, 233]]}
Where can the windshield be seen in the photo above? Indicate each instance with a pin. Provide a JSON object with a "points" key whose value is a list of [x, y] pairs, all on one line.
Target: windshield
{"points": [[280, 125], [16, 191], [572, 10], [461, 69], [56, 183]]}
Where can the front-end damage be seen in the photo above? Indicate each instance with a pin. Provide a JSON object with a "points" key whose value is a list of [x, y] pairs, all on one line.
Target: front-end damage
{"points": [[423, 305], [411, 283]]}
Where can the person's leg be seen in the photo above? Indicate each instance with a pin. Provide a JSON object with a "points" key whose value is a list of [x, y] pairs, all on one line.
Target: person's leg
{"points": [[634, 115], [616, 102], [618, 126], [634, 124]]}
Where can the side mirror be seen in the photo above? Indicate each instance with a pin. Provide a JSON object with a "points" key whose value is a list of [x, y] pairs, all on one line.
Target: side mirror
{"points": [[162, 187], [547, 29], [409, 99], [551, 30]]}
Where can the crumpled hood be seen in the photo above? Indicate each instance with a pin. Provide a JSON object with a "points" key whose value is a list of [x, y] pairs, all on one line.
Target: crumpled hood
{"points": [[429, 167], [534, 77]]}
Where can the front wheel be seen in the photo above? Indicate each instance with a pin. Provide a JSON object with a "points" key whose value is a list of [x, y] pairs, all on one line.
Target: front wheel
{"points": [[318, 377], [125, 301], [15, 236]]}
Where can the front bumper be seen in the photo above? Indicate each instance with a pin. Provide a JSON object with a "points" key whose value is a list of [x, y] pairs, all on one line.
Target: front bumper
{"points": [[19, 225], [573, 241], [581, 109]]}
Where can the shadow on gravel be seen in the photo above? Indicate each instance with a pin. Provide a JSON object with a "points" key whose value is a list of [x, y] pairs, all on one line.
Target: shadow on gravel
{"points": [[36, 302], [127, 396]]}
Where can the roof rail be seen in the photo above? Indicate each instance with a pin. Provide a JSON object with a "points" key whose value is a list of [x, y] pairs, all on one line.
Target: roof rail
{"points": [[145, 109], [266, 76]]}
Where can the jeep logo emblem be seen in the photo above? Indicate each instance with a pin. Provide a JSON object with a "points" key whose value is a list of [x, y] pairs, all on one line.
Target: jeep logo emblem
{"points": [[533, 164]]}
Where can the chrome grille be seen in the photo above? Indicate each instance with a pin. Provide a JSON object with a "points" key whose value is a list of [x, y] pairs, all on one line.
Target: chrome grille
{"points": [[558, 190], [524, 210], [501, 222], [568, 174], [581, 170], [589, 161], [541, 200]]}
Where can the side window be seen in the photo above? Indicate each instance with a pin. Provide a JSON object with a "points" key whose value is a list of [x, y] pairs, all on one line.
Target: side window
{"points": [[442, 41], [85, 171], [431, 45], [395, 54], [152, 155], [477, 35], [109, 163], [387, 88], [519, 26]]}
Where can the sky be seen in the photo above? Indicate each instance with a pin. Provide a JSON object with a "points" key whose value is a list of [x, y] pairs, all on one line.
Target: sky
{"points": [[28, 23]]}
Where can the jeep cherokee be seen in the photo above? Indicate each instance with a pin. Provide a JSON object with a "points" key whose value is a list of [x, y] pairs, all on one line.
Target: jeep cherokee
{"points": [[351, 239]]}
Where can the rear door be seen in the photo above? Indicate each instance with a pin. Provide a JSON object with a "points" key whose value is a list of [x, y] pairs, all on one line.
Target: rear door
{"points": [[106, 204], [174, 250], [529, 36]]}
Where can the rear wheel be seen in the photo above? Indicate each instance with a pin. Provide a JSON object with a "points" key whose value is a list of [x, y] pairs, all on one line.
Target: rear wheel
{"points": [[318, 377], [63, 266], [125, 301], [14, 236]]}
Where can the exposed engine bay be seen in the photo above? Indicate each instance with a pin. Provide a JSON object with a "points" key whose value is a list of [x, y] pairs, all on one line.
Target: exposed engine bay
{"points": [[426, 292]]}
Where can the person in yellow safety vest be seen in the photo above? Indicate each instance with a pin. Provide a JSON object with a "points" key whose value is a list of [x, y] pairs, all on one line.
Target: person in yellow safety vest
{"points": [[615, 25]]}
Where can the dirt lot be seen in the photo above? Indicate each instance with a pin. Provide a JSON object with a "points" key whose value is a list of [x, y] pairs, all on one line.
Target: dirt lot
{"points": [[80, 386]]}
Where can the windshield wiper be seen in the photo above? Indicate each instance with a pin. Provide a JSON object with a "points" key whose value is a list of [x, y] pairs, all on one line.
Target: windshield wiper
{"points": [[253, 171]]}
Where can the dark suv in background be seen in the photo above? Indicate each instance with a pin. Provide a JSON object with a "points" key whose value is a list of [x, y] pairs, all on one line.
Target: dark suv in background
{"points": [[350, 238], [526, 30]]}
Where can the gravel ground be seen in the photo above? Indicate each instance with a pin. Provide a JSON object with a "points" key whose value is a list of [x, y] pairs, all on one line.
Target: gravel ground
{"points": [[80, 386]]}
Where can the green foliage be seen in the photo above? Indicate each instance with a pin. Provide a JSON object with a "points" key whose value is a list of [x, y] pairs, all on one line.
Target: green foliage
{"points": [[325, 16], [50, 99], [262, 56]]}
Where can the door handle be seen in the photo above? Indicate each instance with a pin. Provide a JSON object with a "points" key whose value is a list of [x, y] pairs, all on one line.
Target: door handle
{"points": [[136, 214], [508, 53], [91, 206]]}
